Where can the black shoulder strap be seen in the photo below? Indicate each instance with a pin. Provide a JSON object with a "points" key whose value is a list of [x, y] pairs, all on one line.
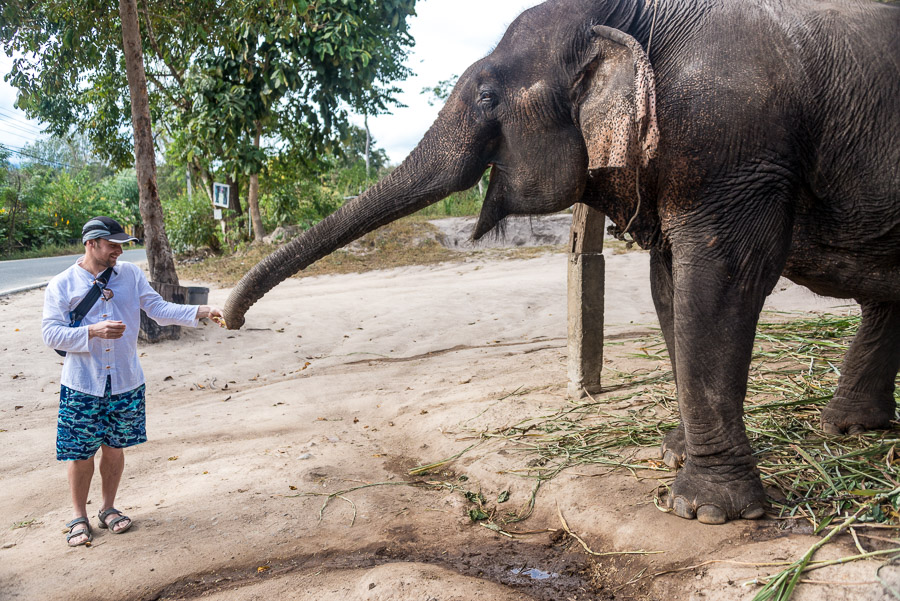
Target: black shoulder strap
{"points": [[91, 297], [78, 313]]}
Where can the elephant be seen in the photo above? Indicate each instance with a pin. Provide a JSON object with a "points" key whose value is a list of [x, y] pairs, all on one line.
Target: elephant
{"points": [[737, 141]]}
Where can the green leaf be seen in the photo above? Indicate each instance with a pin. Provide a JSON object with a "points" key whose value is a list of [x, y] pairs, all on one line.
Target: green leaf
{"points": [[503, 497], [476, 515], [475, 497]]}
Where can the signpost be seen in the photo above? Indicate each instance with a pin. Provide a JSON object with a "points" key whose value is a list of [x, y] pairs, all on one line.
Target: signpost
{"points": [[220, 195]]}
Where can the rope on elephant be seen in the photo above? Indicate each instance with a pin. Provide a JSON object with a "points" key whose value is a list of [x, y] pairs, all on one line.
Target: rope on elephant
{"points": [[637, 167]]}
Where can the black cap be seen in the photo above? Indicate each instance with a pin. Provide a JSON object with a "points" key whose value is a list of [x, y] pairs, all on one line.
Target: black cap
{"points": [[106, 228]]}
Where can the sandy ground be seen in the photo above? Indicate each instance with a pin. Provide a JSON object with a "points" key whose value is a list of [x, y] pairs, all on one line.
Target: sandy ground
{"points": [[340, 381]]}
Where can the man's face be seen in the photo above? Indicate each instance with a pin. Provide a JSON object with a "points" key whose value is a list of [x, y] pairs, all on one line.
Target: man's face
{"points": [[105, 252]]}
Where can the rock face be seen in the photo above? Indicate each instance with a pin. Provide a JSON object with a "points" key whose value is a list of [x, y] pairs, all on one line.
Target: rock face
{"points": [[546, 230], [283, 234]]}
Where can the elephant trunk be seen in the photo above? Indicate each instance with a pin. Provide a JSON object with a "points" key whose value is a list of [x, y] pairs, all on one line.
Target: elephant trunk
{"points": [[436, 168]]}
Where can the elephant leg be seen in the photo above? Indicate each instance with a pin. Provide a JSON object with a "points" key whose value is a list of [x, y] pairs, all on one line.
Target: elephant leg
{"points": [[864, 399], [721, 277], [672, 449]]}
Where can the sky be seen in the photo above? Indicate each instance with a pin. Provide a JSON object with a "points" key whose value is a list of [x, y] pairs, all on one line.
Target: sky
{"points": [[449, 36]]}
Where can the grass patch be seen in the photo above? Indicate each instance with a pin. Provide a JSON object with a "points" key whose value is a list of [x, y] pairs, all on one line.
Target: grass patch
{"points": [[813, 475], [835, 484], [24, 524]]}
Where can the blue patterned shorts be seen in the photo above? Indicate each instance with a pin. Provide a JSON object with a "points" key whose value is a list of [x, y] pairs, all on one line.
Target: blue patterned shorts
{"points": [[86, 422]]}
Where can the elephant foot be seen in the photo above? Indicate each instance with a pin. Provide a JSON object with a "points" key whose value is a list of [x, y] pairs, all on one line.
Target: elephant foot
{"points": [[713, 498], [673, 447], [854, 414]]}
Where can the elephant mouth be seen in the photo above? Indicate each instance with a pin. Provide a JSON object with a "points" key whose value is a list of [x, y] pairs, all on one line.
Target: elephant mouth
{"points": [[493, 209]]}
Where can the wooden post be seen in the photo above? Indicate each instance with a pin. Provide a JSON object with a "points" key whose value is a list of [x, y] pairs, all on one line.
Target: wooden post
{"points": [[586, 276]]}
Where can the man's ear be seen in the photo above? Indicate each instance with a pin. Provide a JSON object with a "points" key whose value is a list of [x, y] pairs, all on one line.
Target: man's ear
{"points": [[615, 94]]}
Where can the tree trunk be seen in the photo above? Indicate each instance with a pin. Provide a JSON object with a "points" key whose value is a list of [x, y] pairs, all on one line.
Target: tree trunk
{"points": [[159, 254], [205, 178], [259, 231], [234, 202], [231, 221]]}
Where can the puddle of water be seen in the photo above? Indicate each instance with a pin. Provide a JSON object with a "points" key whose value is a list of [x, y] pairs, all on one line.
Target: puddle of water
{"points": [[534, 573]]}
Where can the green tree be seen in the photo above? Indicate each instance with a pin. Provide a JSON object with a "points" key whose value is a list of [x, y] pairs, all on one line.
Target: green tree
{"points": [[224, 78], [297, 190], [289, 72], [10, 196]]}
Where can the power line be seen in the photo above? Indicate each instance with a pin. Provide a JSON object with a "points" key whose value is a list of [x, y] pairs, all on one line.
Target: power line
{"points": [[12, 125], [41, 160], [26, 137], [11, 115], [14, 113]]}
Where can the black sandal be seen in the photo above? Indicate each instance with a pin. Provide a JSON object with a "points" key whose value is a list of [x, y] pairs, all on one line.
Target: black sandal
{"points": [[86, 531], [112, 523]]}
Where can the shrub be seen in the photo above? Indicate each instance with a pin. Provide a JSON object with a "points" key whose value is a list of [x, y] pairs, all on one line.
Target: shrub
{"points": [[119, 198], [190, 224]]}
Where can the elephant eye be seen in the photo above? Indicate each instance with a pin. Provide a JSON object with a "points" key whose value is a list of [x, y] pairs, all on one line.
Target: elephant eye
{"points": [[486, 97]]}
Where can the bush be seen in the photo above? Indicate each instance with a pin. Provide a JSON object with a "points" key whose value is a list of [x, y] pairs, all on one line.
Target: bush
{"points": [[42, 207], [458, 204], [299, 202], [190, 224], [119, 198]]}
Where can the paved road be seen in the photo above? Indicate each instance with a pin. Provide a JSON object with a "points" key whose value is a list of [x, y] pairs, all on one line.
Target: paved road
{"points": [[24, 274]]}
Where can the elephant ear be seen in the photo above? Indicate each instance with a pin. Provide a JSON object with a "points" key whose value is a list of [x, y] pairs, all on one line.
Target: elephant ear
{"points": [[616, 102]]}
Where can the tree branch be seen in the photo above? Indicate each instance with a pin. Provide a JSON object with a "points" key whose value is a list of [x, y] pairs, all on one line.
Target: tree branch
{"points": [[155, 44], [181, 103]]}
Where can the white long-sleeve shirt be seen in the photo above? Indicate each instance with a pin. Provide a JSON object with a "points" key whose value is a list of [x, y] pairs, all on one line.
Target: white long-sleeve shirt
{"points": [[90, 360]]}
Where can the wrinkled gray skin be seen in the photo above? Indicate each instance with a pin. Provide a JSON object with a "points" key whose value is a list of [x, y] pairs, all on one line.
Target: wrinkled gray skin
{"points": [[777, 154]]}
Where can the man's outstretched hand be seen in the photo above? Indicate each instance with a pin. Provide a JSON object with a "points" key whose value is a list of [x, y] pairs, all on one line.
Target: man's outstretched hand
{"points": [[214, 313]]}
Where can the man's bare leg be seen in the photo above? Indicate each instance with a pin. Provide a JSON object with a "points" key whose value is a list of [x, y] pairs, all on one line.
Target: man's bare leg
{"points": [[112, 464], [80, 472]]}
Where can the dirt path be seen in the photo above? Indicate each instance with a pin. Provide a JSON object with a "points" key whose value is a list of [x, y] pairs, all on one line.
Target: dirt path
{"points": [[338, 382]]}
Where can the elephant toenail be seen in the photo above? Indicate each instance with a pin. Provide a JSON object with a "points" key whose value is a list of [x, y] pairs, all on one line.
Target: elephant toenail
{"points": [[683, 509], [856, 429], [670, 459], [710, 514], [830, 428], [754, 512]]}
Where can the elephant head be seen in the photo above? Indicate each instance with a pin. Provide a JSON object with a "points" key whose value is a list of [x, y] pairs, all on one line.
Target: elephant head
{"points": [[545, 107]]}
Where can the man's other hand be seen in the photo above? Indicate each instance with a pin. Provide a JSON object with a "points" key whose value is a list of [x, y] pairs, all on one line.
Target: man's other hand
{"points": [[106, 329]]}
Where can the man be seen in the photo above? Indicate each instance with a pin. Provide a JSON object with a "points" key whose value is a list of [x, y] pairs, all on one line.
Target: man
{"points": [[101, 403]]}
